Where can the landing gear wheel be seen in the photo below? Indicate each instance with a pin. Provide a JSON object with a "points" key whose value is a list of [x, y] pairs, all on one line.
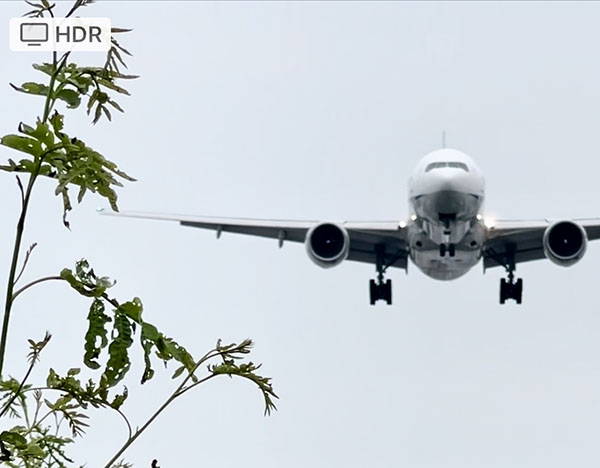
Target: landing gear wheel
{"points": [[380, 289], [373, 291], [442, 250], [510, 289], [503, 291], [518, 290], [388, 292], [451, 249]]}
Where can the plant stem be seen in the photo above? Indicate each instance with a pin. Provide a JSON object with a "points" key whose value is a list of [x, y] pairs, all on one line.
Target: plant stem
{"points": [[33, 283], [103, 403], [13, 270], [18, 392], [139, 432], [47, 105], [176, 393], [21, 227]]}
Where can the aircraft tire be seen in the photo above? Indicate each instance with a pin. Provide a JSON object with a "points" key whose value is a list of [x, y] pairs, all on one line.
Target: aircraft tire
{"points": [[518, 290], [372, 291], [503, 288], [388, 292]]}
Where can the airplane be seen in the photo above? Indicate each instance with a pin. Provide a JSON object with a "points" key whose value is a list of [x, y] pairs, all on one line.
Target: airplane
{"points": [[444, 236]]}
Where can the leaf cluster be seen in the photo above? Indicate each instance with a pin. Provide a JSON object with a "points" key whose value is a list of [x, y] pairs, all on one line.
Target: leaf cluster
{"points": [[230, 366], [52, 415], [68, 160], [33, 443], [49, 150], [112, 327]]}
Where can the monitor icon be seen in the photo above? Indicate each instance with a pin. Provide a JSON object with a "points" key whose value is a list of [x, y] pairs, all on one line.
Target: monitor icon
{"points": [[33, 34]]}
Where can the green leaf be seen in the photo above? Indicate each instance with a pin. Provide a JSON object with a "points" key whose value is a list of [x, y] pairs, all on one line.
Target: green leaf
{"points": [[13, 438], [110, 85], [118, 361], [119, 399], [84, 281], [97, 320], [71, 97], [53, 379], [46, 68], [41, 133], [178, 372], [57, 122], [23, 144], [116, 105], [37, 89], [33, 450], [148, 337], [82, 83], [133, 309]]}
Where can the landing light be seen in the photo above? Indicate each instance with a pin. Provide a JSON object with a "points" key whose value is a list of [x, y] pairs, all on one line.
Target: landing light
{"points": [[413, 217], [402, 224], [489, 222]]}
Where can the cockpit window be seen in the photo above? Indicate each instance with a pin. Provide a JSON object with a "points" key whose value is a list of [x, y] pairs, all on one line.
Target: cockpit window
{"points": [[456, 165], [435, 165], [459, 165]]}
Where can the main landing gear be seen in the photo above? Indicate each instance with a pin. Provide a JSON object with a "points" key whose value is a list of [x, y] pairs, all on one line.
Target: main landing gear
{"points": [[509, 288], [380, 289]]}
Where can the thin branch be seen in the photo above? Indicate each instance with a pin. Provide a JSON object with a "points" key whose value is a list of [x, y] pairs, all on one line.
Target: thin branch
{"points": [[27, 254], [20, 184], [129, 429], [13, 268], [49, 10], [50, 88], [139, 432], [180, 390], [21, 224], [105, 404], [38, 406], [18, 392], [37, 281], [78, 4]]}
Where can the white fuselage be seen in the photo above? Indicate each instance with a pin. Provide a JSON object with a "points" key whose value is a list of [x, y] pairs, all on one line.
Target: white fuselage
{"points": [[446, 192]]}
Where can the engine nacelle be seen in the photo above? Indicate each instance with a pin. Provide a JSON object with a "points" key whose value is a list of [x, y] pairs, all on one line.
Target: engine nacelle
{"points": [[327, 244], [565, 243]]}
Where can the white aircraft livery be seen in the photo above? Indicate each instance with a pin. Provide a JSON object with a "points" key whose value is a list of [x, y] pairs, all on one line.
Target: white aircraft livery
{"points": [[445, 235]]}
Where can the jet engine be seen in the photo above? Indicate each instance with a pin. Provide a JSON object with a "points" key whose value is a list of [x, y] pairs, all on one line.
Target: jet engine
{"points": [[327, 244], [565, 243]]}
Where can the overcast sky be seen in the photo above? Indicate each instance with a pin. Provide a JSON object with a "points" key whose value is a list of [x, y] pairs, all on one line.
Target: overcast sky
{"points": [[320, 111]]}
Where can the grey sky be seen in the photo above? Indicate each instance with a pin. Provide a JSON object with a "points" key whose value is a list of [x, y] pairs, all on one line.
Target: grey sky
{"points": [[319, 111]]}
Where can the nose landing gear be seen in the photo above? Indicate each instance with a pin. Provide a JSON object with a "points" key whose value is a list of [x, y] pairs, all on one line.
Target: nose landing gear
{"points": [[450, 248]]}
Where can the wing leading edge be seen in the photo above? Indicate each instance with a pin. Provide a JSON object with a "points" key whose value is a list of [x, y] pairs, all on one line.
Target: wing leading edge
{"points": [[368, 240], [524, 240]]}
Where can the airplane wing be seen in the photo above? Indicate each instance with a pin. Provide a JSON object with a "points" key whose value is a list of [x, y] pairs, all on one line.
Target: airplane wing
{"points": [[365, 237], [525, 238]]}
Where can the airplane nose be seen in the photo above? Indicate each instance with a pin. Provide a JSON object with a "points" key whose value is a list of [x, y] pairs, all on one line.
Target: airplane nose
{"points": [[449, 202], [455, 180]]}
